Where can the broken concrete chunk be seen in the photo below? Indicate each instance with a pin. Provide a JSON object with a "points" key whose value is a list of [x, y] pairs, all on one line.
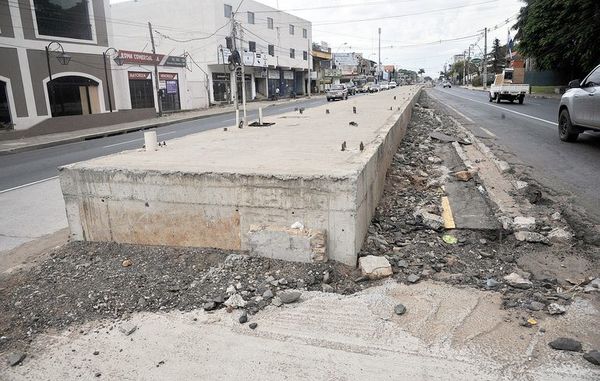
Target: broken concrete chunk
{"points": [[15, 358], [399, 309], [297, 225], [235, 301], [566, 344], [294, 243], [556, 309], [464, 175], [531, 237], [128, 328], [413, 278], [430, 220], [374, 267], [524, 223], [517, 281], [559, 235]]}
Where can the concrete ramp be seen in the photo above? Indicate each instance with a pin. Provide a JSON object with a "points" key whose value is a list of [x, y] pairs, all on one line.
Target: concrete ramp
{"points": [[208, 189]]}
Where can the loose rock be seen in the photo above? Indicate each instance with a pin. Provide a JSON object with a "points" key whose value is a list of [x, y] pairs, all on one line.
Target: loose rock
{"points": [[253, 325], [413, 278], [235, 301], [517, 281], [243, 318], [128, 328], [531, 237], [399, 309], [16, 358], [289, 296], [375, 267], [556, 309], [566, 344], [593, 357]]}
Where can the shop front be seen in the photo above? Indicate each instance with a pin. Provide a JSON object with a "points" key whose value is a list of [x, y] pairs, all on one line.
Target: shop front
{"points": [[141, 89], [169, 86], [221, 87], [5, 118]]}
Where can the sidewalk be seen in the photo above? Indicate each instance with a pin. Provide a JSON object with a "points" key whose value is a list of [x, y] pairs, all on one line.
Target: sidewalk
{"points": [[48, 140], [534, 95]]}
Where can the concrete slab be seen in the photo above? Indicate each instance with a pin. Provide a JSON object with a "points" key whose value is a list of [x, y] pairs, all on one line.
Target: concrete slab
{"points": [[207, 189]]}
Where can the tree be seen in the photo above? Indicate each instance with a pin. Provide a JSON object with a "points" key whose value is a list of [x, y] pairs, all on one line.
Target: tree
{"points": [[498, 57], [560, 35], [421, 71]]}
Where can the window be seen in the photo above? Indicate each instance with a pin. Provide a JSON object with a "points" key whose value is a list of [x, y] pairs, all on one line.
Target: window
{"points": [[252, 46], [291, 29], [228, 10], [593, 79], [63, 18], [271, 50], [269, 23], [250, 17], [292, 53], [304, 33], [305, 55]]}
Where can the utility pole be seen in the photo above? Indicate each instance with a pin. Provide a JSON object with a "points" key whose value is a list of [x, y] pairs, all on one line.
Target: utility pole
{"points": [[308, 52], [468, 61], [379, 66], [464, 67], [160, 113], [243, 75], [234, 42], [485, 60]]}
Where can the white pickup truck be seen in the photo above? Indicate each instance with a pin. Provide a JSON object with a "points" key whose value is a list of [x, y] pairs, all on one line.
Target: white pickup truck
{"points": [[503, 88]]}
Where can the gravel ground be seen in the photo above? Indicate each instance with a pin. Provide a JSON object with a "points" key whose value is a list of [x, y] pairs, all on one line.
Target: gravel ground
{"points": [[82, 281]]}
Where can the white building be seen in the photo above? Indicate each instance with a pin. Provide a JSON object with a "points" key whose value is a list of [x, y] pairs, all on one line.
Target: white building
{"points": [[192, 39]]}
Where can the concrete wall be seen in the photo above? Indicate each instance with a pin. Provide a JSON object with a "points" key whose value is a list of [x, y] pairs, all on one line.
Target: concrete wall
{"points": [[168, 207], [6, 25], [10, 70]]}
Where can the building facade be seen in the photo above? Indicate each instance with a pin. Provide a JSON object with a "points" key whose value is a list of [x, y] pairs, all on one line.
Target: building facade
{"points": [[199, 37], [52, 72]]}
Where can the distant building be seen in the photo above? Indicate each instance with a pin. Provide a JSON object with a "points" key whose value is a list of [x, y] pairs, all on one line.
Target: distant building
{"points": [[274, 45], [323, 74]]}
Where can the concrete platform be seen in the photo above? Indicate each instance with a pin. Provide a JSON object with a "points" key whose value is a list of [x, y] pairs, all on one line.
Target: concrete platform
{"points": [[207, 189]]}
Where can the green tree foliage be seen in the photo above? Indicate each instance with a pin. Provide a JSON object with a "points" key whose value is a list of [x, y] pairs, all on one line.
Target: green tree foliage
{"points": [[561, 35], [498, 57]]}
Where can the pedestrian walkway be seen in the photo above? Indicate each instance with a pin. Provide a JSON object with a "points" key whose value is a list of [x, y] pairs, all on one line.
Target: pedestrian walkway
{"points": [[48, 140]]}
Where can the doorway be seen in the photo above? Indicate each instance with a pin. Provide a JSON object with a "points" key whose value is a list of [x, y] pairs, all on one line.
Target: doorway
{"points": [[73, 95], [5, 118]]}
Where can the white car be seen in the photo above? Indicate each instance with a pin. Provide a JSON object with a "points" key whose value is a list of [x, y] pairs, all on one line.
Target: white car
{"points": [[384, 85], [393, 85], [579, 108]]}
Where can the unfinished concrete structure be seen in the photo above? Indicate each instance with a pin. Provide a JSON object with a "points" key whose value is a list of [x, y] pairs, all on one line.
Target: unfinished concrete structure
{"points": [[214, 188]]}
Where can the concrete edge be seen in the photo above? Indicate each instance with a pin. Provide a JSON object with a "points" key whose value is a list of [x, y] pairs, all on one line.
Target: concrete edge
{"points": [[84, 136]]}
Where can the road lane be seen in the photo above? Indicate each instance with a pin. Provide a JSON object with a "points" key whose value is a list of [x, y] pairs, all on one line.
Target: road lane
{"points": [[528, 136]]}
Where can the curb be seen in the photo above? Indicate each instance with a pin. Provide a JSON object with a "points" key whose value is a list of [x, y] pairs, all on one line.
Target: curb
{"points": [[83, 137]]}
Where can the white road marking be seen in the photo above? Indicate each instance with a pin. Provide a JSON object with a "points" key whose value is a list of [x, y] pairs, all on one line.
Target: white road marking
{"points": [[118, 144], [490, 133], [461, 114], [503, 109], [28, 184]]}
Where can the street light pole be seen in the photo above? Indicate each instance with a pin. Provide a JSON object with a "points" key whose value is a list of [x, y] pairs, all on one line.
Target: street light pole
{"points": [[119, 61], [379, 64], [63, 58], [485, 60]]}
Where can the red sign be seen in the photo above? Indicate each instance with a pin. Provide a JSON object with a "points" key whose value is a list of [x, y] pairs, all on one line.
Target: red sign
{"points": [[130, 57], [167, 76], [139, 75]]}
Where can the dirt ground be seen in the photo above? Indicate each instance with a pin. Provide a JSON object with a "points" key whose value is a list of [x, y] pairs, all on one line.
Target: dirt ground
{"points": [[80, 282]]}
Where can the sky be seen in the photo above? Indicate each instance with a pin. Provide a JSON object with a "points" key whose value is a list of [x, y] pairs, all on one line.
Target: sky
{"points": [[420, 23]]}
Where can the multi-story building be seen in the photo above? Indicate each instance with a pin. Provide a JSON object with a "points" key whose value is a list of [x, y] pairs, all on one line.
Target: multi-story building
{"points": [[322, 74], [194, 40], [52, 65]]}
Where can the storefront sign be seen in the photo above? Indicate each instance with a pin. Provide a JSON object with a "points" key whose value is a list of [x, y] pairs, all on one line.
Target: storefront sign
{"points": [[140, 75], [172, 87], [332, 73], [175, 61], [288, 75], [274, 74], [167, 76], [131, 57], [220, 77]]}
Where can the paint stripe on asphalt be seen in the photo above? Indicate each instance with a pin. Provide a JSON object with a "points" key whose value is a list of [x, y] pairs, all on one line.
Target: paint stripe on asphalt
{"points": [[490, 133], [28, 184], [502, 108]]}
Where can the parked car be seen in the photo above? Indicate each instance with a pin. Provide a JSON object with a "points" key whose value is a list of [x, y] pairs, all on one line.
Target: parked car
{"points": [[446, 84], [374, 88], [393, 85], [337, 92], [365, 88], [579, 108], [351, 88], [384, 85]]}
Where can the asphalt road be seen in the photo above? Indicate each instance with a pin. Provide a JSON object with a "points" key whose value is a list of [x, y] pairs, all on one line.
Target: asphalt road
{"points": [[528, 135], [24, 168]]}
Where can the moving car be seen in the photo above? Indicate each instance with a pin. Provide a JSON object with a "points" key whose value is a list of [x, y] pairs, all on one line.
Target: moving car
{"points": [[446, 84], [393, 85], [384, 85], [504, 88], [579, 108], [337, 92]]}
